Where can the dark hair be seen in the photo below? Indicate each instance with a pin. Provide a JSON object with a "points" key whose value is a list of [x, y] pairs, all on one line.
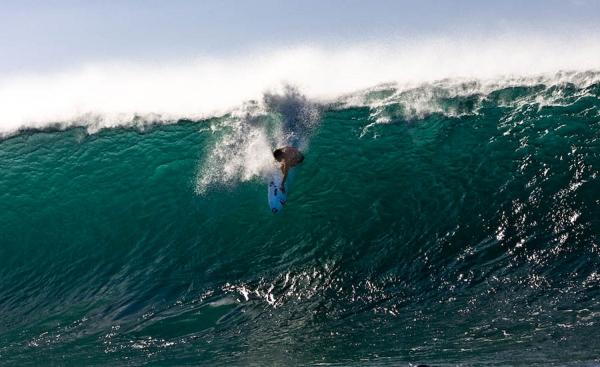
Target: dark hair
{"points": [[301, 158], [278, 154]]}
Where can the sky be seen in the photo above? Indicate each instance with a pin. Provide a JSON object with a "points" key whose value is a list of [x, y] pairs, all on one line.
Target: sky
{"points": [[50, 35]]}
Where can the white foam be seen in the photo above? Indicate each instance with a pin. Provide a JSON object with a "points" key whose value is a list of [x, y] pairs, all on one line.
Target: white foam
{"points": [[113, 94], [239, 156]]}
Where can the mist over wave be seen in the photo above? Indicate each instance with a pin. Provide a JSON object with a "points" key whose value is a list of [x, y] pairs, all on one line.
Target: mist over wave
{"points": [[101, 95]]}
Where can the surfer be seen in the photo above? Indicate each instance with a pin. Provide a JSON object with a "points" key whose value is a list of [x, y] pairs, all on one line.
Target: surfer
{"points": [[288, 157]]}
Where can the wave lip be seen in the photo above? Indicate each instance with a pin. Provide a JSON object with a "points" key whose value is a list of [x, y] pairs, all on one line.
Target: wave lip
{"points": [[116, 94]]}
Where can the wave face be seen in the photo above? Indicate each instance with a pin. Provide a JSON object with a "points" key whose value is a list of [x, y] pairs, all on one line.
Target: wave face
{"points": [[453, 222]]}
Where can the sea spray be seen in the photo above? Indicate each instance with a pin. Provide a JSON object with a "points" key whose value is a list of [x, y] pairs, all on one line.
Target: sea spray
{"points": [[122, 93], [243, 149]]}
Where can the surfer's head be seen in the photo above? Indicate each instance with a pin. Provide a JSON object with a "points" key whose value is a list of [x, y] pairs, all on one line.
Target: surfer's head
{"points": [[278, 154]]}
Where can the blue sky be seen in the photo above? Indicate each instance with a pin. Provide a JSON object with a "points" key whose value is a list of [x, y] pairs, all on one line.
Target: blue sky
{"points": [[55, 35]]}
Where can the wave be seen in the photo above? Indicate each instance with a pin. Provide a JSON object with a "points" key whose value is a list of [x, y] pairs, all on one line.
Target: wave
{"points": [[104, 95], [452, 221]]}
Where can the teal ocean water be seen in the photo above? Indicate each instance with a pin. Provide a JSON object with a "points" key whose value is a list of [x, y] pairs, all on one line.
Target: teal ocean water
{"points": [[447, 223]]}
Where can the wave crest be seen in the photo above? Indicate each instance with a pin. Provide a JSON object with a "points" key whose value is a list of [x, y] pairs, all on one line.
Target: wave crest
{"points": [[117, 94]]}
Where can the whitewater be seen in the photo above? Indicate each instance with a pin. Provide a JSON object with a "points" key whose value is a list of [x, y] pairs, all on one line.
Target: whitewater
{"points": [[118, 93]]}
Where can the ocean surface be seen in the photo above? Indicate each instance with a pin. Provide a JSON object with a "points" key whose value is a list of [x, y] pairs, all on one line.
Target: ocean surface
{"points": [[452, 222]]}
